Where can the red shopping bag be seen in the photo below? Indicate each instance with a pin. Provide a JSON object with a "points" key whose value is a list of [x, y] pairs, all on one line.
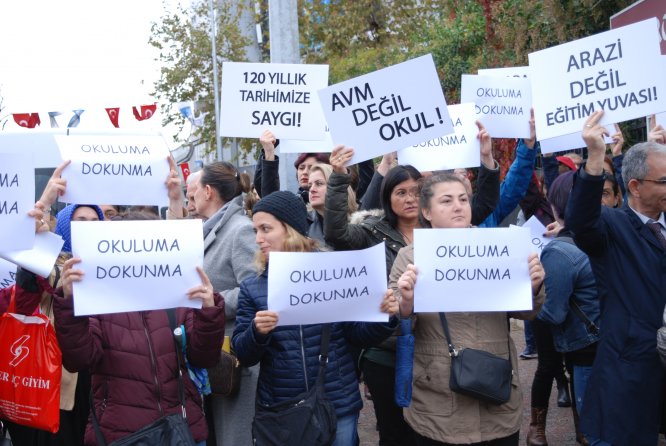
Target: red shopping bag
{"points": [[30, 370]]}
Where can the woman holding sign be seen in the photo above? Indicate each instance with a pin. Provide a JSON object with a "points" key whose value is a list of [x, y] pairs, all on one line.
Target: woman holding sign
{"points": [[438, 415], [289, 355]]}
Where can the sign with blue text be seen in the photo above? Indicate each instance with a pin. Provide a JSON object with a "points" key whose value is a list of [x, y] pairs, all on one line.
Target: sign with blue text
{"points": [[502, 104], [17, 198], [125, 170], [279, 97], [320, 287], [136, 265], [388, 109], [475, 269], [7, 274], [459, 149], [612, 71]]}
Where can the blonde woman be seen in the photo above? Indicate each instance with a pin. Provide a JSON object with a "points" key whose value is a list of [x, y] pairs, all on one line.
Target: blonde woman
{"points": [[289, 355]]}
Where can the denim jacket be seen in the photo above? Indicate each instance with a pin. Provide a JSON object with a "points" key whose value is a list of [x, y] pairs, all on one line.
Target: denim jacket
{"points": [[569, 277]]}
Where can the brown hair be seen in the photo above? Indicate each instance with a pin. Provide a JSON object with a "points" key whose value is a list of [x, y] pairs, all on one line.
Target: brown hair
{"points": [[427, 192], [225, 179]]}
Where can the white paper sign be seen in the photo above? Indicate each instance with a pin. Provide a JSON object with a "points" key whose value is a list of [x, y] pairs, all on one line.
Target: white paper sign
{"points": [[7, 274], [502, 104], [476, 269], [661, 119], [385, 110], [41, 258], [136, 265], [127, 170], [505, 71], [320, 287], [17, 198], [537, 229], [570, 142], [278, 97], [300, 146], [605, 71], [459, 149]]}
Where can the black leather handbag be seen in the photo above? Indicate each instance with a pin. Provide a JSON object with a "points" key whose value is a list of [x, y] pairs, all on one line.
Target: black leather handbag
{"points": [[309, 419], [171, 430], [477, 373]]}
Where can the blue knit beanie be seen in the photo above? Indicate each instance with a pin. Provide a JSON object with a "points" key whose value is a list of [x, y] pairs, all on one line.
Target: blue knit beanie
{"points": [[64, 222]]}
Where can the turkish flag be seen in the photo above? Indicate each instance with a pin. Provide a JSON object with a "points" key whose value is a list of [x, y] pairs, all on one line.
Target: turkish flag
{"points": [[113, 115], [185, 168], [147, 111], [28, 120]]}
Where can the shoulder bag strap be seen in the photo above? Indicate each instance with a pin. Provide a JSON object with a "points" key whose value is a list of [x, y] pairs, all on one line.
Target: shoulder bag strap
{"points": [[452, 351], [591, 326], [171, 312], [323, 352], [98, 432], [445, 326]]}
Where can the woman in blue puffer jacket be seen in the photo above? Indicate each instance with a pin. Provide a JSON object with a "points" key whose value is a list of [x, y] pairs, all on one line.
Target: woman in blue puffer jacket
{"points": [[289, 355]]}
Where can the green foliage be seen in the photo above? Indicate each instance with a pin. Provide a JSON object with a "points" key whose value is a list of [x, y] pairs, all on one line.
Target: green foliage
{"points": [[183, 39]]}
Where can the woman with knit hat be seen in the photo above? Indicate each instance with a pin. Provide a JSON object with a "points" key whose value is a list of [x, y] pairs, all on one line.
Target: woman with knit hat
{"points": [[289, 355]]}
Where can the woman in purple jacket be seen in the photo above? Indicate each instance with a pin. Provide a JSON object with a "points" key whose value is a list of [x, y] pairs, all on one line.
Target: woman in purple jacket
{"points": [[132, 357]]}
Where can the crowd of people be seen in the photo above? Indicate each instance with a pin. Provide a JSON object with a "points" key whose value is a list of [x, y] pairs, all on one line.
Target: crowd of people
{"points": [[597, 292]]}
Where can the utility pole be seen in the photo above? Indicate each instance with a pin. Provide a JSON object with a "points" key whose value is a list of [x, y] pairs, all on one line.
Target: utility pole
{"points": [[283, 31], [216, 89]]}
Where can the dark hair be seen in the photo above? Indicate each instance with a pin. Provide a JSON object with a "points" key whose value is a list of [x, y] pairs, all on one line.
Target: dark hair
{"points": [[395, 176], [223, 177], [427, 192], [609, 160], [320, 157], [135, 215], [558, 194]]}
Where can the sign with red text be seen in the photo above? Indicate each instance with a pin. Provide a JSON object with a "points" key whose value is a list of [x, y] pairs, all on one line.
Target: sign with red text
{"points": [[279, 97], [321, 287], [475, 269], [502, 104], [605, 71], [459, 149], [17, 198], [388, 109], [136, 265], [126, 170]]}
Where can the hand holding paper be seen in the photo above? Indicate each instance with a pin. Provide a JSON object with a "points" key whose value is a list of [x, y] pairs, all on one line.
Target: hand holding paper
{"points": [[593, 135], [70, 275], [406, 285], [389, 304], [265, 321], [340, 156], [486, 146], [537, 273], [203, 291], [56, 187], [268, 140], [531, 141]]}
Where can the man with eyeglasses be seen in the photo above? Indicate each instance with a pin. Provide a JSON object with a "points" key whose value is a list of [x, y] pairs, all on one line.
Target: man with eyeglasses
{"points": [[627, 248]]}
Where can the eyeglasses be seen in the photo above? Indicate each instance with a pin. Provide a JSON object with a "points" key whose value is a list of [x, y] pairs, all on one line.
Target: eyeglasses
{"points": [[661, 181]]}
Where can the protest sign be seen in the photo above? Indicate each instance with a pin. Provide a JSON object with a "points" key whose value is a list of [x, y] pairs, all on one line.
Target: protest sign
{"points": [[136, 265], [572, 141], [608, 71], [320, 287], [502, 104], [537, 231], [505, 71], [661, 119], [459, 149], [475, 269], [7, 274], [279, 97], [128, 169], [380, 112], [17, 198], [300, 146], [41, 258]]}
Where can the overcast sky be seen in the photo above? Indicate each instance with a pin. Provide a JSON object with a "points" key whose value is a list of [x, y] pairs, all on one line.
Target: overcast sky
{"points": [[77, 54]]}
